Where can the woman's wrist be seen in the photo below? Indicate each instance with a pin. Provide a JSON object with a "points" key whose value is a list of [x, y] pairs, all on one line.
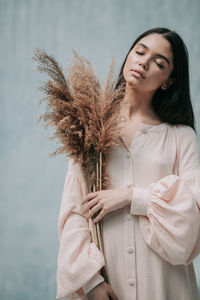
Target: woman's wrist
{"points": [[129, 195]]}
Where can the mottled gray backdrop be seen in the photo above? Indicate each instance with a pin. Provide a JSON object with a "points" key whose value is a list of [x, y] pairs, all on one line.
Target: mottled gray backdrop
{"points": [[32, 184]]}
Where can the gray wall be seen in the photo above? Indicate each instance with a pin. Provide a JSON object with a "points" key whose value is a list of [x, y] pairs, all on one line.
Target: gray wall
{"points": [[31, 183]]}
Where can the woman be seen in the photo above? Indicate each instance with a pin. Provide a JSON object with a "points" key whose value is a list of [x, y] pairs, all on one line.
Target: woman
{"points": [[151, 213]]}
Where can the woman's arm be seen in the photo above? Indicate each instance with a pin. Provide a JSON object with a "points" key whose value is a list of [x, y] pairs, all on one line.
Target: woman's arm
{"points": [[169, 209], [79, 259]]}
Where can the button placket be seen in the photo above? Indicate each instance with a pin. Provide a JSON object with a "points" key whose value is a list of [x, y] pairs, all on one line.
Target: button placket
{"points": [[130, 238], [127, 167]]}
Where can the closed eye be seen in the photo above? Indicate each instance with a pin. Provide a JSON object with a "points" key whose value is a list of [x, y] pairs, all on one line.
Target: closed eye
{"points": [[160, 66]]}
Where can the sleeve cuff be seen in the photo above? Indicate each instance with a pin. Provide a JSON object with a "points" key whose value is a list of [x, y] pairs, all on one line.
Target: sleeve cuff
{"points": [[94, 281], [140, 201]]}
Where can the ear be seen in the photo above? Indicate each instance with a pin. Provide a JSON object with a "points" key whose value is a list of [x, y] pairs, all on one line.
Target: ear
{"points": [[168, 83]]}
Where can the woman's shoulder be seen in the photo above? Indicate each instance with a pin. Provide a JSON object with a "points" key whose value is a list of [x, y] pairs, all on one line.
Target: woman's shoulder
{"points": [[185, 135], [184, 130]]}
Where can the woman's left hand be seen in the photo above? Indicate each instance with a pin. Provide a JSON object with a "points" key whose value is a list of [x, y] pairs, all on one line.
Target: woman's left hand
{"points": [[106, 201]]}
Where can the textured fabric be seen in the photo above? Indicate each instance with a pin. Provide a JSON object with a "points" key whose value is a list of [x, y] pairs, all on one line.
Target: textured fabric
{"points": [[150, 245], [79, 260]]}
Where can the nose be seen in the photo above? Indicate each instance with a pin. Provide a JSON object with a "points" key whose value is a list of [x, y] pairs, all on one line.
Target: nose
{"points": [[144, 64]]}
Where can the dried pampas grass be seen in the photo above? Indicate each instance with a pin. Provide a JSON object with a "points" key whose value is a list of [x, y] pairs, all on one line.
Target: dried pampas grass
{"points": [[86, 117]]}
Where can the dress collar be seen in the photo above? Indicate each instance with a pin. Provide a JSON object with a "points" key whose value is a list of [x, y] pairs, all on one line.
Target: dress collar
{"points": [[149, 127]]}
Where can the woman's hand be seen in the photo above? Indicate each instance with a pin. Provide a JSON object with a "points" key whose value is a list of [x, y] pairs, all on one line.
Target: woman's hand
{"points": [[102, 291], [106, 201]]}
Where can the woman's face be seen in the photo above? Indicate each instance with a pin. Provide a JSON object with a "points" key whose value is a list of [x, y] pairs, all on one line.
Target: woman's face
{"points": [[152, 55]]}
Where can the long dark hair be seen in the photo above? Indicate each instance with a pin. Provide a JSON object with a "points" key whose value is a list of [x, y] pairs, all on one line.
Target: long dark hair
{"points": [[174, 104]]}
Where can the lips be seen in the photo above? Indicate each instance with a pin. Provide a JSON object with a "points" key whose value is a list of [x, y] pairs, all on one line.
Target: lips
{"points": [[139, 72]]}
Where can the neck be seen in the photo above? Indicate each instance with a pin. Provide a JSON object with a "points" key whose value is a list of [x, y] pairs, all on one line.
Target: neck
{"points": [[139, 105]]}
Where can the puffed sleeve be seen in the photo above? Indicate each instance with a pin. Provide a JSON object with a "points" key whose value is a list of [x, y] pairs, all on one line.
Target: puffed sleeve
{"points": [[169, 210], [79, 260]]}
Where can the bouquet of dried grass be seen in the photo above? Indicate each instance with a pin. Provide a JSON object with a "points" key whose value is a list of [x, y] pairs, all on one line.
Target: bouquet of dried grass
{"points": [[86, 117]]}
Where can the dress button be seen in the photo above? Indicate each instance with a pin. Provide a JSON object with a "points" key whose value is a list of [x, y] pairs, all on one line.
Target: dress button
{"points": [[143, 130], [130, 250], [128, 217], [128, 155], [131, 282]]}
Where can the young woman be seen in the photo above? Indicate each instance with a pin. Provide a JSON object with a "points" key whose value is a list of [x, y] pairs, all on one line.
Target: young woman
{"points": [[151, 213]]}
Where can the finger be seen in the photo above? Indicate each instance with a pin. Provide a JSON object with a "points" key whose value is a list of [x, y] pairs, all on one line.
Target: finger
{"points": [[89, 197], [86, 208], [99, 217], [94, 210], [112, 295], [89, 204]]}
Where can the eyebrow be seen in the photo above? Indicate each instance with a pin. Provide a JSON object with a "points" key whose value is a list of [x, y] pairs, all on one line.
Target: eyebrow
{"points": [[157, 54]]}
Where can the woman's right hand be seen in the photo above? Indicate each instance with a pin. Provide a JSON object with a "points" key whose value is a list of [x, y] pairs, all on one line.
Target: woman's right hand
{"points": [[102, 291]]}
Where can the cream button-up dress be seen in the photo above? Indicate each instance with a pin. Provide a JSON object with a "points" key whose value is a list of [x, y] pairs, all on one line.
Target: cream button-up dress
{"points": [[149, 246]]}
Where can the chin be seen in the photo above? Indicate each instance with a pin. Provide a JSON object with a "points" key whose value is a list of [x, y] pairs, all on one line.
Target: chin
{"points": [[133, 83]]}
